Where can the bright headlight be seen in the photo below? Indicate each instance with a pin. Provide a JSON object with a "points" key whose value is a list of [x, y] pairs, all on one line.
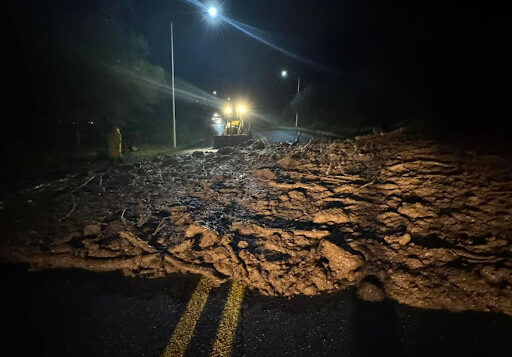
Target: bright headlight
{"points": [[228, 109], [241, 108]]}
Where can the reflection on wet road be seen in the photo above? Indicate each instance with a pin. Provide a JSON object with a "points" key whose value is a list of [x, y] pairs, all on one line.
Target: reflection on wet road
{"points": [[283, 135]]}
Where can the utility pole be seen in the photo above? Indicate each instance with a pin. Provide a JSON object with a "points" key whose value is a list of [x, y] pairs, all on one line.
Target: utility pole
{"points": [[284, 74], [173, 99], [297, 112]]}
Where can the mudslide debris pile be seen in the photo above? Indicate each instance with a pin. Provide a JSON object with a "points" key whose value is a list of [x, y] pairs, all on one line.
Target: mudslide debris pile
{"points": [[411, 219]]}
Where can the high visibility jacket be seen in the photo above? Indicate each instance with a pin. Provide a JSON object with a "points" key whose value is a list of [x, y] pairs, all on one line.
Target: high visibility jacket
{"points": [[115, 144]]}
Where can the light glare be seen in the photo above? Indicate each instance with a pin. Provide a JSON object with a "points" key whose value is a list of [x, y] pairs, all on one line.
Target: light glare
{"points": [[212, 11], [241, 109], [228, 109]]}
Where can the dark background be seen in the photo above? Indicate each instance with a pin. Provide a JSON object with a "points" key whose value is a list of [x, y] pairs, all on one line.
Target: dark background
{"points": [[438, 65]]}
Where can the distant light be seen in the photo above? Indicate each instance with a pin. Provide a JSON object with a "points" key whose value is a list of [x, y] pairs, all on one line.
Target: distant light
{"points": [[91, 123], [212, 11], [284, 73], [228, 109], [229, 98], [241, 108], [214, 92]]}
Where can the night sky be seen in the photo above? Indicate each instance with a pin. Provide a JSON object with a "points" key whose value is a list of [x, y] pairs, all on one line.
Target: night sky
{"points": [[439, 58], [443, 54]]}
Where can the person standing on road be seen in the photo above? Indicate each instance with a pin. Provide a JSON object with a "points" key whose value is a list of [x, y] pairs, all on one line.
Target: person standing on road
{"points": [[115, 144]]}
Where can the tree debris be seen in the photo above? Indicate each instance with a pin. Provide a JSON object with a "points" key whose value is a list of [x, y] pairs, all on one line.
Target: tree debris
{"points": [[430, 225]]}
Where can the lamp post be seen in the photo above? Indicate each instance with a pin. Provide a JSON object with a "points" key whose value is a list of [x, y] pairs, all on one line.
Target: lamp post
{"points": [[173, 96], [212, 12], [284, 74]]}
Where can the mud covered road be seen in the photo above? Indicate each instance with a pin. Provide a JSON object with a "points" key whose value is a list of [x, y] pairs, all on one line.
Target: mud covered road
{"points": [[426, 224], [79, 313]]}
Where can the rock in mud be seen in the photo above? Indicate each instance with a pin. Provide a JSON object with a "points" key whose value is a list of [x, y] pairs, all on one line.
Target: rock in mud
{"points": [[288, 163], [333, 215], [258, 145], [496, 275], [415, 210], [342, 264], [169, 160], [226, 150], [242, 244], [92, 230], [263, 174], [369, 291], [402, 240]]}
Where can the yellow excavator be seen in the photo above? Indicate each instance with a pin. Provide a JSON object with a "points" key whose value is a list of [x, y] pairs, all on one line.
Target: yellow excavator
{"points": [[236, 127]]}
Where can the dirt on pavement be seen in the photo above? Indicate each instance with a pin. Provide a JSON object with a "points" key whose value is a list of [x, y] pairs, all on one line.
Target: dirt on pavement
{"points": [[424, 223]]}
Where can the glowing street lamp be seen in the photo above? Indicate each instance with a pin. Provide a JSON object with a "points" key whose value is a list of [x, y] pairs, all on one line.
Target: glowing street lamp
{"points": [[212, 11], [284, 73]]}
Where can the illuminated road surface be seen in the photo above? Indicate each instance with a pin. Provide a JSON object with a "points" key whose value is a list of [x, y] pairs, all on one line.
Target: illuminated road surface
{"points": [[283, 135], [76, 313]]}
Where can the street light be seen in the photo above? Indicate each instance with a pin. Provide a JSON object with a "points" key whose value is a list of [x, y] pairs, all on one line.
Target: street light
{"points": [[212, 12], [284, 74], [173, 96]]}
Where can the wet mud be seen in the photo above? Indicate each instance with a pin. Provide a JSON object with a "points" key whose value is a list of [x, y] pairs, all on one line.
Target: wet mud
{"points": [[426, 224]]}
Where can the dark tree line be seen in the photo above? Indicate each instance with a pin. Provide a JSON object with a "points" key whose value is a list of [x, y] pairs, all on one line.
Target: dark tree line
{"points": [[440, 65], [76, 71]]}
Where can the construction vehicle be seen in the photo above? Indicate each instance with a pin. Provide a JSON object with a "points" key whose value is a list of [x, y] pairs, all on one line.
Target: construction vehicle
{"points": [[237, 129]]}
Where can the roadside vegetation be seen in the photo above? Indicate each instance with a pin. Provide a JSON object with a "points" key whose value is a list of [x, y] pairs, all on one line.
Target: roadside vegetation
{"points": [[85, 75]]}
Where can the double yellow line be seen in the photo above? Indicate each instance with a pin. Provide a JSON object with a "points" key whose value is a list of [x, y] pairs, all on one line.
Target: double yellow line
{"points": [[229, 322], [226, 332]]}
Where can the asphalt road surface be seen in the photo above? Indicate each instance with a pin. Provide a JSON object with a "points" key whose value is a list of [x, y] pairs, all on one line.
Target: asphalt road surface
{"points": [[77, 313], [283, 135]]}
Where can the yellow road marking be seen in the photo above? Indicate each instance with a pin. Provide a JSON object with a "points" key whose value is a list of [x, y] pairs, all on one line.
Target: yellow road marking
{"points": [[228, 323], [185, 328]]}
